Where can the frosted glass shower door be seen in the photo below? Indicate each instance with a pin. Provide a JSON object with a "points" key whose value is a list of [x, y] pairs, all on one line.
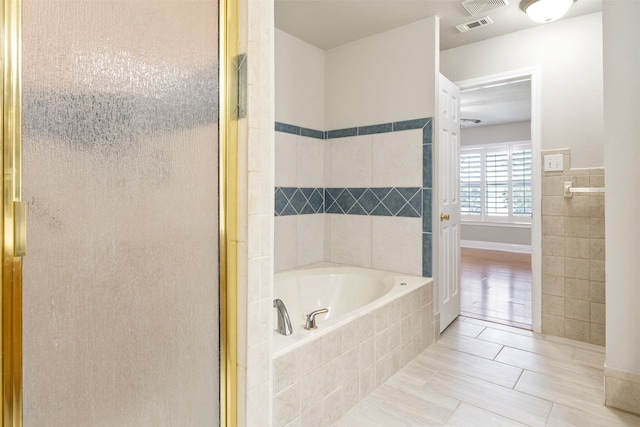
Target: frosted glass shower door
{"points": [[120, 175]]}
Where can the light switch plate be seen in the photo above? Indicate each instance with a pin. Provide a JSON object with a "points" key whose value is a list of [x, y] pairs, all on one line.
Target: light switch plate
{"points": [[553, 163]]}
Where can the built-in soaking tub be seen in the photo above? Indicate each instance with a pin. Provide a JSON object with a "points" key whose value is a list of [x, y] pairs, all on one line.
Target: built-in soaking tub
{"points": [[377, 322]]}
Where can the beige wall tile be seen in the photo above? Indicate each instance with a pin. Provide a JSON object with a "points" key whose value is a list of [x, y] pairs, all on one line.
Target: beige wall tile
{"points": [[576, 247], [578, 205], [553, 325], [596, 180], [597, 291], [552, 185], [309, 417], [367, 349], [576, 309], [286, 405], [596, 206], [598, 334], [577, 288], [351, 336], [552, 225], [596, 228], [576, 268], [351, 392], [332, 407], [381, 344], [597, 313], [553, 205], [597, 270], [553, 305], [555, 285], [553, 265], [381, 318], [577, 329], [285, 371], [332, 345], [596, 249], [553, 245], [576, 227], [367, 381], [310, 359], [578, 177]]}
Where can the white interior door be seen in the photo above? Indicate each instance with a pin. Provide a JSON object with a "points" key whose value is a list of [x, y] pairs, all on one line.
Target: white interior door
{"points": [[448, 215]]}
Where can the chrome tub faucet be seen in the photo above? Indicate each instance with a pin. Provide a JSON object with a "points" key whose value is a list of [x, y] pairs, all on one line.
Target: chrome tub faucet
{"points": [[284, 323]]}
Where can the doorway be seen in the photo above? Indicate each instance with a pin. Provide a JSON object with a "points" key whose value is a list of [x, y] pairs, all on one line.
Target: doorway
{"points": [[499, 202]]}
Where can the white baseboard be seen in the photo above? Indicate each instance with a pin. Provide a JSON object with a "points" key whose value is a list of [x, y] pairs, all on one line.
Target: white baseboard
{"points": [[494, 246]]}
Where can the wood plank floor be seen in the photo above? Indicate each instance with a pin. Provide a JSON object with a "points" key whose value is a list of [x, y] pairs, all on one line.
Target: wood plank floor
{"points": [[496, 286], [485, 374]]}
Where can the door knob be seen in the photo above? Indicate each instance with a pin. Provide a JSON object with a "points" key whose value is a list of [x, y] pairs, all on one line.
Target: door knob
{"points": [[444, 217]]}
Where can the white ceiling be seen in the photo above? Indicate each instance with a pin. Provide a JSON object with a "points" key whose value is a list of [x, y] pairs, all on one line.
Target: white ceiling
{"points": [[330, 23], [496, 104]]}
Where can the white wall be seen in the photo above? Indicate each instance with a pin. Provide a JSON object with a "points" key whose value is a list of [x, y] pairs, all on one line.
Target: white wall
{"points": [[569, 53], [622, 151], [493, 134], [361, 87], [383, 78], [299, 82]]}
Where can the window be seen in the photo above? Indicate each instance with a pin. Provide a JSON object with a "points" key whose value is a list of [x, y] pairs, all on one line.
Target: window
{"points": [[495, 183]]}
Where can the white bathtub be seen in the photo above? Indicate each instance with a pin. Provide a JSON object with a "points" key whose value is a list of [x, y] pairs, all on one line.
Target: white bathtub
{"points": [[377, 322], [348, 292]]}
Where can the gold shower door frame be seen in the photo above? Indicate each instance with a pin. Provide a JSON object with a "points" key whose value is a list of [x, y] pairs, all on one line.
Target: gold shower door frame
{"points": [[14, 216], [11, 118]]}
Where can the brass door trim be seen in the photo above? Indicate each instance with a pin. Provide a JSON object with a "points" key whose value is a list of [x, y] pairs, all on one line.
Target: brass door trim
{"points": [[11, 117], [228, 211]]}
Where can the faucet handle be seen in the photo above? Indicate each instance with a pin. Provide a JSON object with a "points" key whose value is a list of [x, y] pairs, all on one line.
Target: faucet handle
{"points": [[311, 318]]}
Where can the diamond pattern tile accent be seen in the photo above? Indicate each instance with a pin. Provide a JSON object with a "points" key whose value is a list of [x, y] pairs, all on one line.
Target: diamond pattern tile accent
{"points": [[389, 201], [298, 201]]}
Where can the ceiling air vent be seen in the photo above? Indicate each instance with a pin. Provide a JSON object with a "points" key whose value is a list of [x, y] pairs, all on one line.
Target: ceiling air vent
{"points": [[476, 6], [482, 22]]}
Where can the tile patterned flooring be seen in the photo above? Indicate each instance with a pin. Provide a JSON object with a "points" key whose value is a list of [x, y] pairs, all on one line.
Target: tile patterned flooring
{"points": [[486, 374]]}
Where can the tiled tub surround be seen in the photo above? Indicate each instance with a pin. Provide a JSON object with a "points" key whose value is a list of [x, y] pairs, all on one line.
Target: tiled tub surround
{"points": [[573, 254], [358, 196], [318, 380]]}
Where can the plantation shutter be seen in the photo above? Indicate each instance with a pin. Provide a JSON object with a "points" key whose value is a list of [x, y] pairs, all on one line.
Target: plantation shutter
{"points": [[471, 184]]}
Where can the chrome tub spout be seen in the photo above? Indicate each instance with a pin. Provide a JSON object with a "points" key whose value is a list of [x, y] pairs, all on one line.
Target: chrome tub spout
{"points": [[284, 323]]}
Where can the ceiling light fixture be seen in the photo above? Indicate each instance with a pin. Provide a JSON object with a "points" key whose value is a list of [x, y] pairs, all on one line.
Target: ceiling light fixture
{"points": [[545, 10]]}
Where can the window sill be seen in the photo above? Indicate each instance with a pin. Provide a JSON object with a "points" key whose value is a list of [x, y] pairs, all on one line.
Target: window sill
{"points": [[495, 224]]}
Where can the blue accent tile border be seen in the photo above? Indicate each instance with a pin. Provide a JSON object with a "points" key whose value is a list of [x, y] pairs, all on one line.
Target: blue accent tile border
{"points": [[386, 201], [373, 129], [297, 130], [423, 123]]}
